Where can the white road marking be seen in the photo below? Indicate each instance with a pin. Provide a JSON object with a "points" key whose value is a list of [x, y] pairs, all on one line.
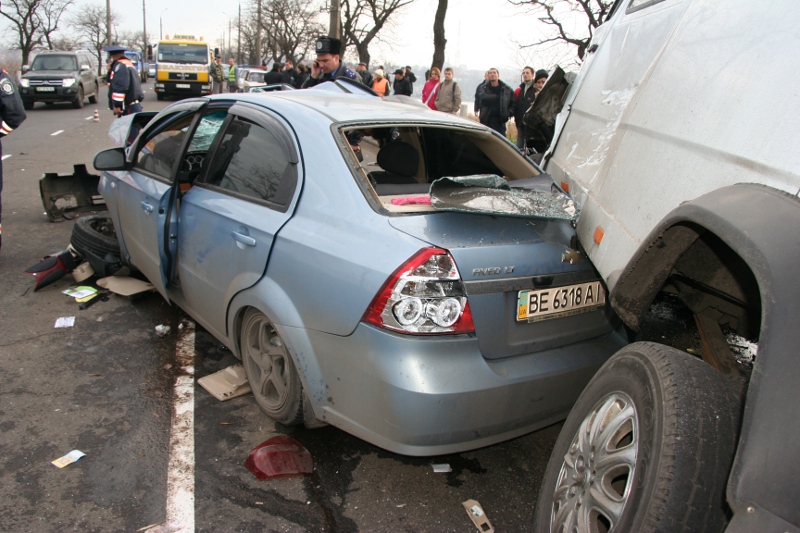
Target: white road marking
{"points": [[56, 133], [180, 475], [89, 118], [6, 157]]}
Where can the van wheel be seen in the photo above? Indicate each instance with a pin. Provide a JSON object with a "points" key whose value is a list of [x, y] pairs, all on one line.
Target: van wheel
{"points": [[78, 102], [93, 98], [647, 447], [270, 370]]}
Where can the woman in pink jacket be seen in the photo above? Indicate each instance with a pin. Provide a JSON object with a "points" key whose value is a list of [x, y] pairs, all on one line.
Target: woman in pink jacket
{"points": [[431, 88]]}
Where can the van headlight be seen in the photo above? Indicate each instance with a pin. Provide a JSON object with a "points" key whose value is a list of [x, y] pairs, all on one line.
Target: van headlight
{"points": [[25, 82], [68, 82]]}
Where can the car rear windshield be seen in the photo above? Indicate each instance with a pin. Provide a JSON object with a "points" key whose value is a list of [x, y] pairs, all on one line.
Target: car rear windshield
{"points": [[416, 168], [55, 62]]}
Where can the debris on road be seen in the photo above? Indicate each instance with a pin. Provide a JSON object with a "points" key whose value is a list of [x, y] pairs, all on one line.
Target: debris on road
{"points": [[68, 459], [80, 293], [279, 456], [53, 267], [65, 322], [478, 517], [227, 383], [442, 468], [124, 285], [162, 330], [66, 194]]}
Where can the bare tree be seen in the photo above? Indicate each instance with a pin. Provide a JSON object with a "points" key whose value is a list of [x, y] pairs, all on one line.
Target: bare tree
{"points": [[558, 14], [362, 20], [49, 17], [90, 25], [25, 25], [291, 26], [439, 42]]}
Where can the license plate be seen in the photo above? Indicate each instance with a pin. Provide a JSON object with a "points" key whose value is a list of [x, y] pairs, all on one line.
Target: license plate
{"points": [[183, 86], [557, 302], [45, 89]]}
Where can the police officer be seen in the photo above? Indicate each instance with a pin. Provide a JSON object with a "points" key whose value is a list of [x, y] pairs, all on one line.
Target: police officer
{"points": [[12, 115], [125, 89], [328, 66]]}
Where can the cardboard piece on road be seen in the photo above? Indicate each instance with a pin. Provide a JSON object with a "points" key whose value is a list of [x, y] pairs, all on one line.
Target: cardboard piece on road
{"points": [[478, 517], [124, 286], [227, 383], [83, 272]]}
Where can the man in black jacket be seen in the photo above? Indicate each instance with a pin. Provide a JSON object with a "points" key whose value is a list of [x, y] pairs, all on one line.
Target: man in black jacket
{"points": [[525, 96], [274, 76], [12, 114], [401, 84], [497, 102]]}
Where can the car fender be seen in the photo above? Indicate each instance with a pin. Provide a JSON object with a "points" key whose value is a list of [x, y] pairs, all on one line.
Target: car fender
{"points": [[760, 224], [269, 297]]}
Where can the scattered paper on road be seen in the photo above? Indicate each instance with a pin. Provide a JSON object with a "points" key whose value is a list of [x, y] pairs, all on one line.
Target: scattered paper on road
{"points": [[442, 468], [65, 322], [68, 459]]}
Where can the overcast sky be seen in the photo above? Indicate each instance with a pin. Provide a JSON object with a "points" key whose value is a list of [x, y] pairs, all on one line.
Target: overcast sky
{"points": [[480, 33]]}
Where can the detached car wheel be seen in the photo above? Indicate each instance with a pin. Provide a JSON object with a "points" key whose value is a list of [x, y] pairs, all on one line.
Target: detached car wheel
{"points": [[647, 447], [95, 239], [270, 370]]}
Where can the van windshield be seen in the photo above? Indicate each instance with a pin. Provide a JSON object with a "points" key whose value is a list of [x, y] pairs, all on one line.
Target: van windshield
{"points": [[54, 62]]}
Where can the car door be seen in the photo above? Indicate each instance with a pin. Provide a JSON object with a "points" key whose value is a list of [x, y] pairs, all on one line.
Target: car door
{"points": [[146, 194], [229, 218]]}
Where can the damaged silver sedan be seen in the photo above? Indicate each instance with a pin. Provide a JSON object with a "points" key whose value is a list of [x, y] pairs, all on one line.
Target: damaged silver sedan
{"points": [[405, 275]]}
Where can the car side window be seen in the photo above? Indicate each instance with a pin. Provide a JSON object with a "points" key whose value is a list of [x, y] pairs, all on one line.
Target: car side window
{"points": [[159, 153], [251, 161]]}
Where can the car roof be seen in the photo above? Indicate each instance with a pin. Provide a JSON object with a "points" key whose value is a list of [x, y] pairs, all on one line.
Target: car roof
{"points": [[338, 106]]}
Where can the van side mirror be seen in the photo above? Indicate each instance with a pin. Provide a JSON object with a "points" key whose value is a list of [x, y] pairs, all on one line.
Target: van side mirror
{"points": [[25, 68], [85, 68], [111, 159]]}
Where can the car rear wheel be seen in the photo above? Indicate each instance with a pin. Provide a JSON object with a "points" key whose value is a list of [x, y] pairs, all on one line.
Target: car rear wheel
{"points": [[647, 447], [78, 102], [270, 370]]}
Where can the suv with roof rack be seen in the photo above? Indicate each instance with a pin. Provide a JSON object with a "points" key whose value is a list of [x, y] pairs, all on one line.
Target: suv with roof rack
{"points": [[60, 77]]}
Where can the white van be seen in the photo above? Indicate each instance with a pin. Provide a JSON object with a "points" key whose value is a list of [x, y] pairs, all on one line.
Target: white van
{"points": [[679, 142]]}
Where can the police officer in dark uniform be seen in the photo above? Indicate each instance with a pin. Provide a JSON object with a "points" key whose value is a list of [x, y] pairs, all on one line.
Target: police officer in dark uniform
{"points": [[328, 66], [125, 89], [12, 114]]}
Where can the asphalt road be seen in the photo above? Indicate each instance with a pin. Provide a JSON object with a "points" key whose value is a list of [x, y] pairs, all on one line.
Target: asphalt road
{"points": [[106, 387]]}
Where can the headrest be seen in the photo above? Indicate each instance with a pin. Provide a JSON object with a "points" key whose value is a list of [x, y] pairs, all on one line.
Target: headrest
{"points": [[399, 157]]}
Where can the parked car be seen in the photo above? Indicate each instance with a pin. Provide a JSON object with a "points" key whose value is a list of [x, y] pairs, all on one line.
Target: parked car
{"points": [[59, 77], [151, 70], [678, 142], [426, 318], [253, 78]]}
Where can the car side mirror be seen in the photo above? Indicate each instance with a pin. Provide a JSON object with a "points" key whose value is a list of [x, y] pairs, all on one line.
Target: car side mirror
{"points": [[111, 159], [85, 68], [25, 68]]}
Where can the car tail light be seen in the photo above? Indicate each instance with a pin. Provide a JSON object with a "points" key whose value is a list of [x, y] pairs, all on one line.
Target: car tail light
{"points": [[424, 296]]}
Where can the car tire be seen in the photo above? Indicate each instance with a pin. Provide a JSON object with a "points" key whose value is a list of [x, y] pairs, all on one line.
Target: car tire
{"points": [[27, 105], [93, 98], [78, 102], [647, 447], [270, 371], [95, 233]]}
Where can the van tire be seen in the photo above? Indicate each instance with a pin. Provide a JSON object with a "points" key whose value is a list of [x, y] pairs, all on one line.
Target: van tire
{"points": [[658, 430]]}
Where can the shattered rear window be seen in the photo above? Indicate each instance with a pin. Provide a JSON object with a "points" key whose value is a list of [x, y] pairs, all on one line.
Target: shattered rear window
{"points": [[425, 168]]}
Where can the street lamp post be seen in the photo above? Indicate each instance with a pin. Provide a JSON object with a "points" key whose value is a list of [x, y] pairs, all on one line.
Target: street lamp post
{"points": [[160, 24]]}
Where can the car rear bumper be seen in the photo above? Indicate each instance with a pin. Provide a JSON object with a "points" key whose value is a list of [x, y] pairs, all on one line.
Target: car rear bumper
{"points": [[438, 395]]}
